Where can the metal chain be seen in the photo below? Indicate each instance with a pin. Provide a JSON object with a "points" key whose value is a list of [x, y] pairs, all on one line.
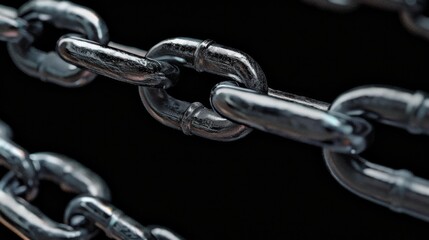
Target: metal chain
{"points": [[238, 106], [90, 209]]}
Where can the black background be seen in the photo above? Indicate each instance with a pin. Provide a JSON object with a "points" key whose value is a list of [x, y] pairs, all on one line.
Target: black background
{"points": [[260, 187]]}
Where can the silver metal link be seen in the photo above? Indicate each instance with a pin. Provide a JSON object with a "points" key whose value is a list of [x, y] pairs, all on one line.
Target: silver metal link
{"points": [[11, 27], [397, 189], [49, 66], [117, 64], [194, 118], [291, 119], [393, 106], [302, 100], [28, 221], [110, 219], [86, 211], [69, 174], [31, 219]]}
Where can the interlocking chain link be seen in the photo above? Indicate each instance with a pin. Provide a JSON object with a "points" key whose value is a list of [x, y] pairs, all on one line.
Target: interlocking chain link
{"points": [[238, 106], [86, 212]]}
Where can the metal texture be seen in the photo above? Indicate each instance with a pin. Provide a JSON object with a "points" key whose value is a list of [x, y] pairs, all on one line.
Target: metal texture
{"points": [[397, 189], [49, 66], [291, 119], [91, 208], [27, 221], [117, 64], [244, 104], [194, 118], [109, 218]]}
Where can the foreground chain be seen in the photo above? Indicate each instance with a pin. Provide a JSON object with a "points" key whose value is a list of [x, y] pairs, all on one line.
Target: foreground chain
{"points": [[90, 209], [238, 106]]}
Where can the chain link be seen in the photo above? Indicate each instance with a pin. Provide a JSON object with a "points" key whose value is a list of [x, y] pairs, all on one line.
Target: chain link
{"points": [[397, 189], [89, 209], [244, 103], [303, 121]]}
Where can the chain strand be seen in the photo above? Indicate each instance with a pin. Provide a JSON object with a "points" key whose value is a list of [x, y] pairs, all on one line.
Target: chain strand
{"points": [[92, 201], [240, 105]]}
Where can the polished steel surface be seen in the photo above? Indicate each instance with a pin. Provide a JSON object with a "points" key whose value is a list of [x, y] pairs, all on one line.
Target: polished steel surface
{"points": [[69, 174], [117, 64], [49, 66], [85, 213], [109, 218], [244, 104], [291, 119], [397, 189], [27, 221], [393, 106], [207, 56], [302, 100]]}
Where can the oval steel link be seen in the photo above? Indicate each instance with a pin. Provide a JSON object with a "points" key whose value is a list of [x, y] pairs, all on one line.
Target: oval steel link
{"points": [[110, 219], [393, 106], [29, 222], [339, 131], [194, 118], [116, 64], [49, 66], [396, 189], [69, 174], [292, 118]]}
